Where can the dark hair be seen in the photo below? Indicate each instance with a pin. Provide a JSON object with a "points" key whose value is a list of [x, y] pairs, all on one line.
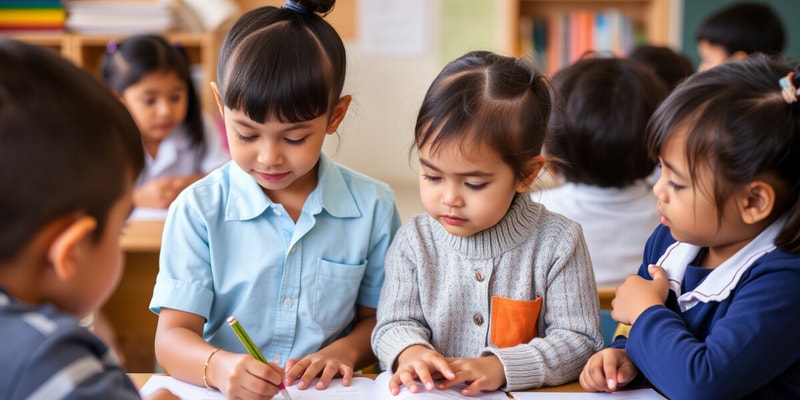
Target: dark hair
{"points": [[598, 125], [282, 63], [748, 27], [499, 101], [672, 67], [127, 62], [67, 144], [739, 126]]}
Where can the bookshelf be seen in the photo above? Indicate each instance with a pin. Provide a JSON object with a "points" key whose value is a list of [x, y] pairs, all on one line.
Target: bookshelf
{"points": [[86, 51], [650, 18]]}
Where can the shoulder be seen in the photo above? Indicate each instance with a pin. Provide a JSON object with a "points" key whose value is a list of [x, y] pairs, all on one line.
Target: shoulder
{"points": [[364, 185]]}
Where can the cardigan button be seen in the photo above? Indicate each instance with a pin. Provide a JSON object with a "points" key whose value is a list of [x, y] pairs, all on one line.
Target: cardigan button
{"points": [[479, 276], [477, 319]]}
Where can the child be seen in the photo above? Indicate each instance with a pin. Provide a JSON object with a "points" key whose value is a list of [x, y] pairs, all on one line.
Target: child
{"points": [[714, 307], [737, 31], [488, 287], [69, 153], [671, 66], [598, 131], [153, 80], [283, 238]]}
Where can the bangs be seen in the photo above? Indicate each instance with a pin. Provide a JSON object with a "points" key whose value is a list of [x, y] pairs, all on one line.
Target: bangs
{"points": [[292, 87]]}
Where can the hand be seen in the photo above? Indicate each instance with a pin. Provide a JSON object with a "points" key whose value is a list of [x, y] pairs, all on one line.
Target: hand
{"points": [[481, 374], [240, 376], [418, 361], [158, 193], [637, 294], [162, 394], [325, 363], [607, 370]]}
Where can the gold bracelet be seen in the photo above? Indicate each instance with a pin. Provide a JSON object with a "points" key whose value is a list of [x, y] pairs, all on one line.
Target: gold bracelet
{"points": [[205, 368]]}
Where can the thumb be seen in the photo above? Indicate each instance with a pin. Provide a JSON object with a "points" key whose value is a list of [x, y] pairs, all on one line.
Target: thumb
{"points": [[656, 272]]}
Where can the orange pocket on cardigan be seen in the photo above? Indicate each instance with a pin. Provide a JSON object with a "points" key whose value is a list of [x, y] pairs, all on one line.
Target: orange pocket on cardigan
{"points": [[514, 321]]}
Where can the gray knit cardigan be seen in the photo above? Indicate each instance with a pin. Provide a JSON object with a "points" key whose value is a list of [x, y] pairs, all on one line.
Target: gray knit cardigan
{"points": [[439, 287]]}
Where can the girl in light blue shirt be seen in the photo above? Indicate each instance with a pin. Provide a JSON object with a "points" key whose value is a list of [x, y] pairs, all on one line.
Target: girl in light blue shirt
{"points": [[283, 238]]}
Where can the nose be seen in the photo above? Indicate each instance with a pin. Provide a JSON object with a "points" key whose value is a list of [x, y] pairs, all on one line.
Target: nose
{"points": [[659, 190], [269, 154], [451, 196], [163, 107]]}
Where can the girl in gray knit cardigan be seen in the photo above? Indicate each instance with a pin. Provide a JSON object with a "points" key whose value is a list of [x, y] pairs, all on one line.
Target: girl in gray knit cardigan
{"points": [[487, 288]]}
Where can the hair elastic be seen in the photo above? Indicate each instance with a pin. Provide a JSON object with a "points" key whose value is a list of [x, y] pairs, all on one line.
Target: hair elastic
{"points": [[296, 7], [111, 46], [788, 91]]}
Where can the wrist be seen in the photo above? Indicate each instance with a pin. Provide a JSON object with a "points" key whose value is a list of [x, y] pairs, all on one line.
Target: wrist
{"points": [[206, 373]]}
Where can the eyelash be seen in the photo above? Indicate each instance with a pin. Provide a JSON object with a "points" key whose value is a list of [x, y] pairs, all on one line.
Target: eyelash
{"points": [[675, 186], [472, 186]]}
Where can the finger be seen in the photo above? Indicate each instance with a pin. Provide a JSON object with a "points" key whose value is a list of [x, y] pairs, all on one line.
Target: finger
{"points": [[610, 373], [394, 384], [409, 382], [657, 272], [424, 375], [347, 374], [473, 388], [313, 370], [441, 365], [327, 375], [592, 378], [294, 369]]}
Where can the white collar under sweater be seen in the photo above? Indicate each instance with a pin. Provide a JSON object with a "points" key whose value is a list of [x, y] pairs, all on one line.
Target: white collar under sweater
{"points": [[718, 285], [513, 230]]}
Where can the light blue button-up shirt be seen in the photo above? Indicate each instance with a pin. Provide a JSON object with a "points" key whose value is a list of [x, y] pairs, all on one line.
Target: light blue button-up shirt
{"points": [[228, 250]]}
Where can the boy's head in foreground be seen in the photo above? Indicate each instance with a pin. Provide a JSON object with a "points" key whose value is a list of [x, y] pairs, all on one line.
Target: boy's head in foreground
{"points": [[69, 153]]}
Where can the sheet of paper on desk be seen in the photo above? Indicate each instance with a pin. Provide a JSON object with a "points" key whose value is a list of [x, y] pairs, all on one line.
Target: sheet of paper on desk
{"points": [[360, 389], [636, 394]]}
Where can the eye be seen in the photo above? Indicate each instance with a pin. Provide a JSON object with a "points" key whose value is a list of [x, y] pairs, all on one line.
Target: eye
{"points": [[675, 186], [476, 186], [431, 178], [295, 141], [246, 138]]}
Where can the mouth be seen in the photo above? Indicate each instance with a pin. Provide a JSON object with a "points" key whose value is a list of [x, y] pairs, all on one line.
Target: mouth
{"points": [[272, 177], [664, 221], [453, 220]]}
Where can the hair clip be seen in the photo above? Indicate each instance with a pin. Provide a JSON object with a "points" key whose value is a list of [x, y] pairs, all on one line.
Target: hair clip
{"points": [[788, 91], [296, 7], [111, 47]]}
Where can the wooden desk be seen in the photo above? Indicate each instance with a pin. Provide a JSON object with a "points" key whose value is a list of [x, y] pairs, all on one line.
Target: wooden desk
{"points": [[127, 309], [139, 379]]}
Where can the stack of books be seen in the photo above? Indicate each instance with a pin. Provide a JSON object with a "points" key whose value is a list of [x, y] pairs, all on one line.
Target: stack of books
{"points": [[31, 15], [123, 17]]}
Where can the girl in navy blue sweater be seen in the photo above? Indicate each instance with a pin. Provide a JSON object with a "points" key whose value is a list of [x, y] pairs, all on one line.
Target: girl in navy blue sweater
{"points": [[715, 305]]}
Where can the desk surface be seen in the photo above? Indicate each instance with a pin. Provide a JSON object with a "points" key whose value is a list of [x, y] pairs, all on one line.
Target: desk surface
{"points": [[144, 236], [139, 379]]}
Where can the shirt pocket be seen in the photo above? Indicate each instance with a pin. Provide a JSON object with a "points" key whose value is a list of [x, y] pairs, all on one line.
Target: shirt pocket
{"points": [[514, 321], [335, 292]]}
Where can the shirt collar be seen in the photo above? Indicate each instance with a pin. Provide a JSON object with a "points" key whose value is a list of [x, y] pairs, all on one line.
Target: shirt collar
{"points": [[246, 199]]}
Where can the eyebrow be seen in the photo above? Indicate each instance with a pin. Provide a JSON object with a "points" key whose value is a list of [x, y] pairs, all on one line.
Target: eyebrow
{"points": [[293, 127], [477, 173], [672, 168]]}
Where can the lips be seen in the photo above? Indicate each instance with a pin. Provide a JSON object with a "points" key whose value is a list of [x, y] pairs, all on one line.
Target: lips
{"points": [[272, 177], [453, 220]]}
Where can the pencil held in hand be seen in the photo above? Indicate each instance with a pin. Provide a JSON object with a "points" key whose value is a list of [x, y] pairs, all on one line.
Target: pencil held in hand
{"points": [[253, 349]]}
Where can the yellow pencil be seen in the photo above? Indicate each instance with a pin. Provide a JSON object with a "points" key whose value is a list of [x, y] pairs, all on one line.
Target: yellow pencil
{"points": [[253, 349]]}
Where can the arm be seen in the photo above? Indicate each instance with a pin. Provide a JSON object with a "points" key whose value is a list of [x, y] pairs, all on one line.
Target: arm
{"points": [[569, 327], [183, 353], [757, 329]]}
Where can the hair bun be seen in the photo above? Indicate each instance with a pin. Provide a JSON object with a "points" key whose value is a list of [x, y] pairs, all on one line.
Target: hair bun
{"points": [[306, 7]]}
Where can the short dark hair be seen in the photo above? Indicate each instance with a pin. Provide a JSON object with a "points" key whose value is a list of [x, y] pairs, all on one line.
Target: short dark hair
{"points": [[598, 125], [67, 144], [127, 62], [672, 67], [499, 101], [739, 126], [282, 63], [748, 27]]}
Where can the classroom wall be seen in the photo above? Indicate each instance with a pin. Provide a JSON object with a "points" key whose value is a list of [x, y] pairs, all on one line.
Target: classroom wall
{"points": [[695, 11]]}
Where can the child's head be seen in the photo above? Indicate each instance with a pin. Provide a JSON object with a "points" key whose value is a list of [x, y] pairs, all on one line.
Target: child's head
{"points": [[479, 135], [598, 126], [279, 87], [153, 79], [729, 147], [69, 154], [672, 67], [737, 31]]}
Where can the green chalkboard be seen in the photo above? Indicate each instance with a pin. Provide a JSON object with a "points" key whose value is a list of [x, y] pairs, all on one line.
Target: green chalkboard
{"points": [[695, 11]]}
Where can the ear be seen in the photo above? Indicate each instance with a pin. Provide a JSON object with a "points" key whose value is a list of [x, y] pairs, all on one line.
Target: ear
{"points": [[217, 97], [739, 55], [531, 171], [339, 112], [65, 250], [756, 202]]}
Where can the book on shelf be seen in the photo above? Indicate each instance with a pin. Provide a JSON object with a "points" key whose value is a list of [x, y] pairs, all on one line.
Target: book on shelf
{"points": [[31, 15], [119, 17], [558, 40]]}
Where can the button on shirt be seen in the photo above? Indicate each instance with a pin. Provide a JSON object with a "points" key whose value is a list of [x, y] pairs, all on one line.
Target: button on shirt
{"points": [[228, 250]]}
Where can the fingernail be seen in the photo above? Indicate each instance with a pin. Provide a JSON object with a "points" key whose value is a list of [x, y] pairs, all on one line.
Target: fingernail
{"points": [[612, 384]]}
